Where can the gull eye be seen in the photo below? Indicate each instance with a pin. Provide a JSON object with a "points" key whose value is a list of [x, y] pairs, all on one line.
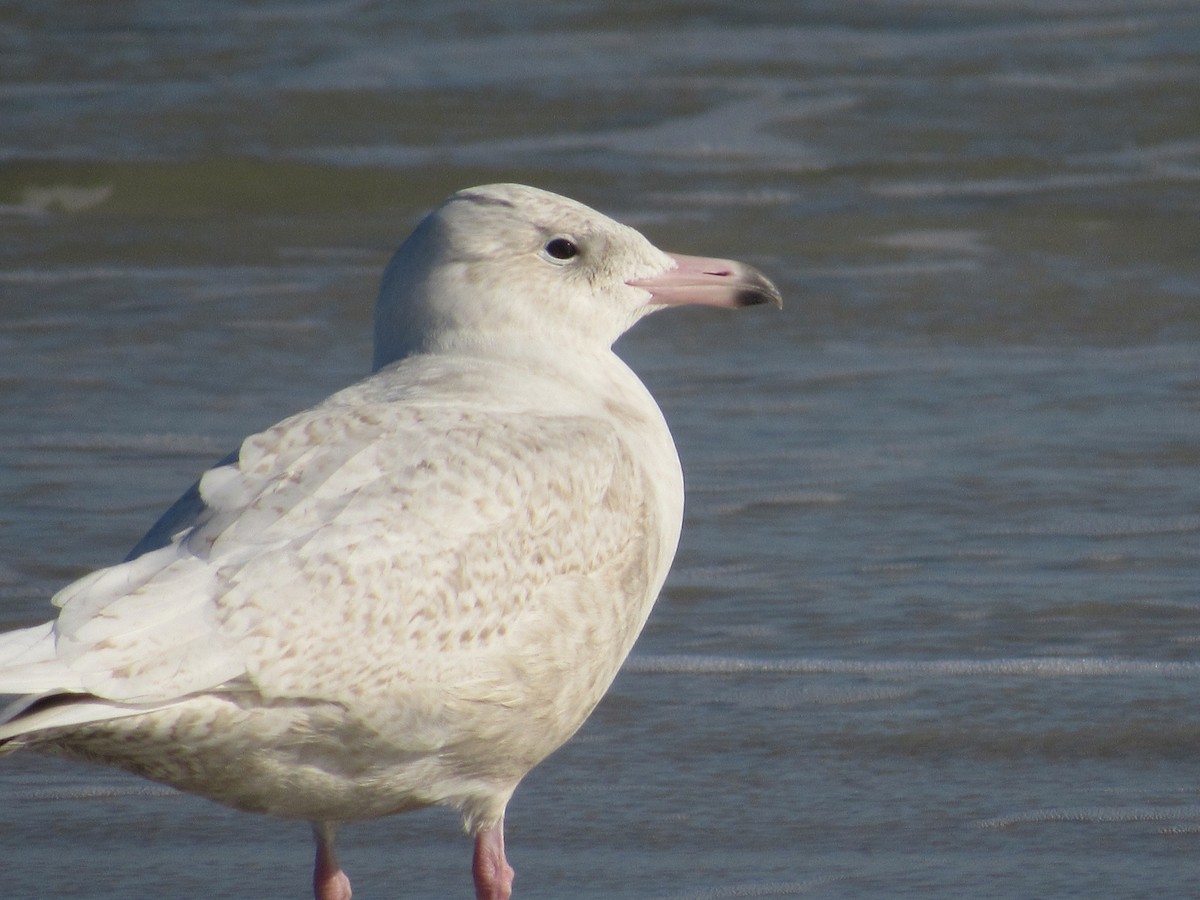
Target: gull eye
{"points": [[562, 249]]}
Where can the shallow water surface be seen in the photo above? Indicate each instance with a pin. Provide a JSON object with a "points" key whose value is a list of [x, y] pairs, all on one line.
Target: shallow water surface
{"points": [[933, 628]]}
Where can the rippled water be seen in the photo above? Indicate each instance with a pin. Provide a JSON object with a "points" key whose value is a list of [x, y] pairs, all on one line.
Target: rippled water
{"points": [[934, 627]]}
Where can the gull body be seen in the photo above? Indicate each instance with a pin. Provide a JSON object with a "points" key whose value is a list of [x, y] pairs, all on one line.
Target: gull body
{"points": [[413, 592]]}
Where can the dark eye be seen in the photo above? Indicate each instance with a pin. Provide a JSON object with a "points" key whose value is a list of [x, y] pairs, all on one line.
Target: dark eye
{"points": [[561, 248]]}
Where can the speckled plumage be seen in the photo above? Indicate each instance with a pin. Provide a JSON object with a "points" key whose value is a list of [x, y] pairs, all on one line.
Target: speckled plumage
{"points": [[413, 592]]}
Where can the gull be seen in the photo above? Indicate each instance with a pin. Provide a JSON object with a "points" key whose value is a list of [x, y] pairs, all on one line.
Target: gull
{"points": [[413, 592]]}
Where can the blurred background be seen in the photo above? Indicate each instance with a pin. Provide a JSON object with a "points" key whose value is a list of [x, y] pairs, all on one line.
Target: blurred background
{"points": [[934, 626]]}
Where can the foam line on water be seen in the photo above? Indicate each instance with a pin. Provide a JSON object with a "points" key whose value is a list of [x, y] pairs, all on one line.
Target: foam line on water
{"points": [[1052, 667], [1095, 814]]}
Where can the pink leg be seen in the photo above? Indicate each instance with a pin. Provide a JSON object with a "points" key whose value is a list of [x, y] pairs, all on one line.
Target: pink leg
{"points": [[329, 881], [493, 874]]}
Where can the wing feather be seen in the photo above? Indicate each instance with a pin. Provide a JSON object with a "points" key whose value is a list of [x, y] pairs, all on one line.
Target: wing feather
{"points": [[411, 535]]}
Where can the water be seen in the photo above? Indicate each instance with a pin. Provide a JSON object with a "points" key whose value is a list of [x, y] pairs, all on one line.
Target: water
{"points": [[933, 630]]}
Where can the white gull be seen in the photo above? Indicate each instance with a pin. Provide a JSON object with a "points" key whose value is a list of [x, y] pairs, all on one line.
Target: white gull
{"points": [[413, 592]]}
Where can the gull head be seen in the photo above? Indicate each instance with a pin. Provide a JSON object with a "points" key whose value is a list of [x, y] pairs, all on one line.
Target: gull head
{"points": [[507, 269]]}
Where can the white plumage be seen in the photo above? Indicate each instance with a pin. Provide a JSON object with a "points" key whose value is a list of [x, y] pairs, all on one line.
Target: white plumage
{"points": [[411, 593]]}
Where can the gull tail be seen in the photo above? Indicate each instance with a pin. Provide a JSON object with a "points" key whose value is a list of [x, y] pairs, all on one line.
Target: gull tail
{"points": [[49, 694]]}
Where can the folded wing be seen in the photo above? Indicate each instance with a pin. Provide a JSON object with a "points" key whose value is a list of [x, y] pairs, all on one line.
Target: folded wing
{"points": [[406, 535]]}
